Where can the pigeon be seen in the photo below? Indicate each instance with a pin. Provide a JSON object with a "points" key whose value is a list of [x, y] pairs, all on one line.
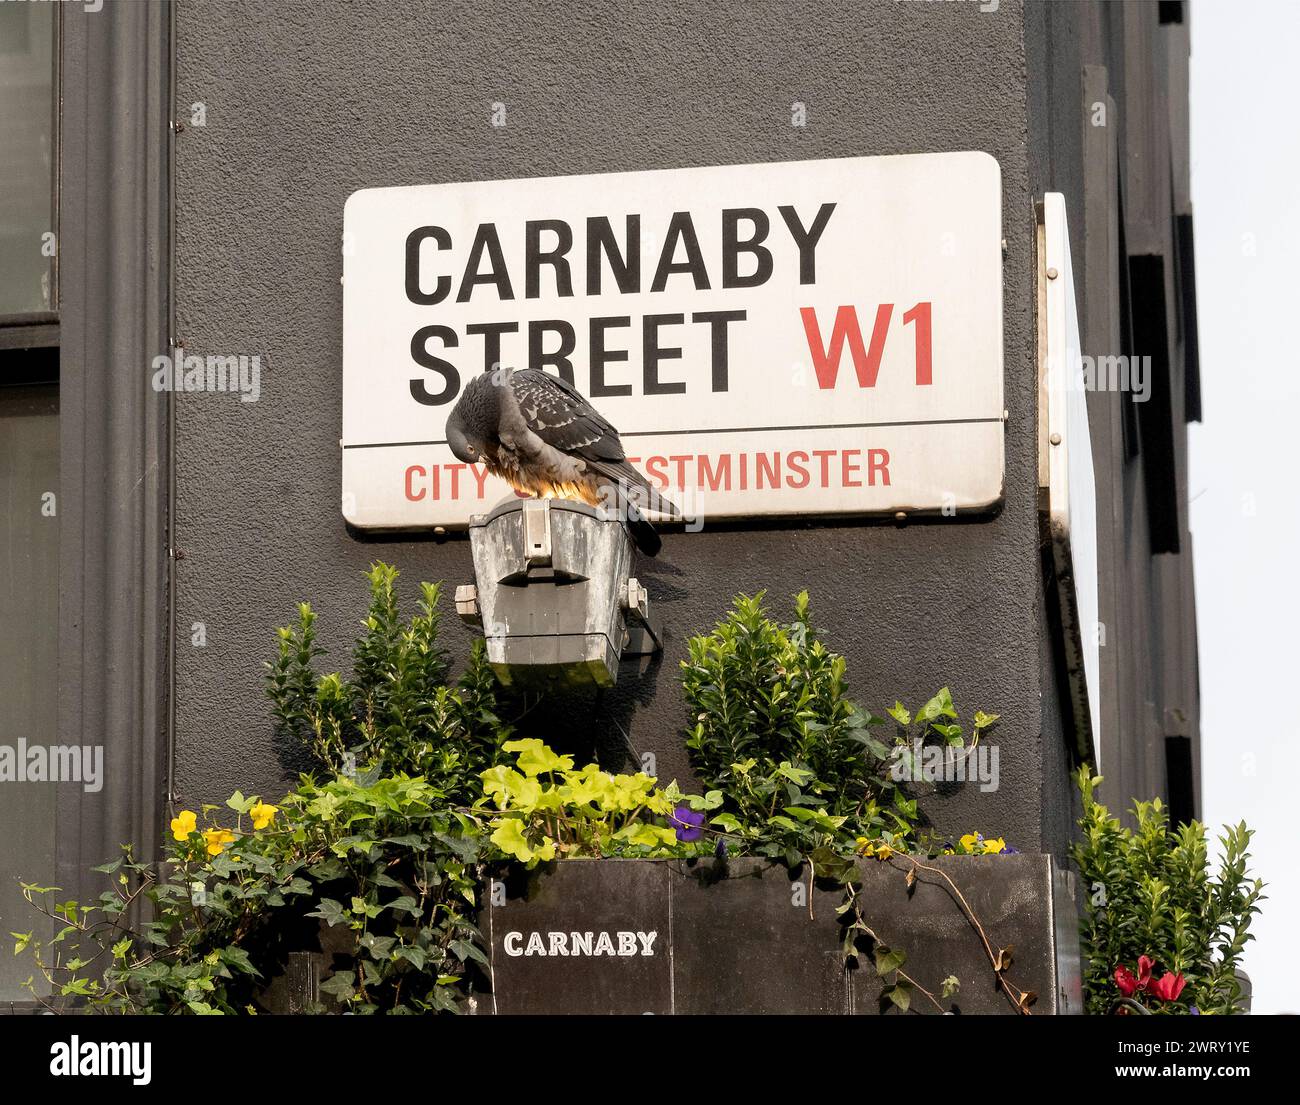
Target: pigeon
{"points": [[537, 432]]}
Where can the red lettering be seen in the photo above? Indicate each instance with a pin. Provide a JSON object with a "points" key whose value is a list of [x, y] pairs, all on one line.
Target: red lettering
{"points": [[417, 471], [654, 468], [826, 360], [798, 467], [849, 467], [824, 455], [920, 314], [713, 478], [877, 462]]}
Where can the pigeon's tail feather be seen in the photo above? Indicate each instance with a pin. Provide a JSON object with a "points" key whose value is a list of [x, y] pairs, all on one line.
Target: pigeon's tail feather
{"points": [[643, 533], [635, 494], [635, 487]]}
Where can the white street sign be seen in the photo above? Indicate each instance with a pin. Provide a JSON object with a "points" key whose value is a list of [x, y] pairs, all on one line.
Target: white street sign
{"points": [[797, 338]]}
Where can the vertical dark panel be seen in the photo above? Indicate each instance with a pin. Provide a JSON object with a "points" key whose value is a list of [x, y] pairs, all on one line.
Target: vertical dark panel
{"points": [[1180, 780], [1187, 305], [1132, 440], [114, 243], [1155, 416]]}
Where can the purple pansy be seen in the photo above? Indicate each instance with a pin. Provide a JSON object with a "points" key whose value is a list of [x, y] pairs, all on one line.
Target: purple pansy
{"points": [[687, 822]]}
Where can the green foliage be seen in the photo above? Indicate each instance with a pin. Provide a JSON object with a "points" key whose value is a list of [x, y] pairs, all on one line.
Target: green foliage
{"points": [[397, 713], [378, 861], [384, 870], [1150, 892], [378, 856], [798, 767], [544, 808]]}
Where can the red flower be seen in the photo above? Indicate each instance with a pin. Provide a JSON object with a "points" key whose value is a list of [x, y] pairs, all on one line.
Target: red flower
{"points": [[1169, 987], [1145, 965], [1125, 980], [1128, 983]]}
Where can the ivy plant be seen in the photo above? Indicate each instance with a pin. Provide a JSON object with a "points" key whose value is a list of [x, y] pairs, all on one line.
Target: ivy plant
{"points": [[373, 853], [383, 871]]}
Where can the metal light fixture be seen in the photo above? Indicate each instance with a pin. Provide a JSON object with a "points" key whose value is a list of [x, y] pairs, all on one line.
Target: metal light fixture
{"points": [[553, 594]]}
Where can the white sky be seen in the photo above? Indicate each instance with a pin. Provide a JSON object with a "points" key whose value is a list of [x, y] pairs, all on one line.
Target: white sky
{"points": [[1244, 468]]}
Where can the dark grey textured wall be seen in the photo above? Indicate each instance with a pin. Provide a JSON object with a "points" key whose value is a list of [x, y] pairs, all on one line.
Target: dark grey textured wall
{"points": [[307, 102]]}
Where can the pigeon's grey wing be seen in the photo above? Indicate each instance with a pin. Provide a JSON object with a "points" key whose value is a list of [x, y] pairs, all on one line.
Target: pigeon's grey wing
{"points": [[559, 414]]}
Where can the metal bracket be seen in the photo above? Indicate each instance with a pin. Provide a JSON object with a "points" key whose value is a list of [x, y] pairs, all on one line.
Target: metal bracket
{"points": [[642, 634], [467, 605], [537, 533]]}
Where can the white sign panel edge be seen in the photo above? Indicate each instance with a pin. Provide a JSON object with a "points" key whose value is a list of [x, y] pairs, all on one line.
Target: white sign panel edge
{"points": [[1066, 456], [960, 460]]}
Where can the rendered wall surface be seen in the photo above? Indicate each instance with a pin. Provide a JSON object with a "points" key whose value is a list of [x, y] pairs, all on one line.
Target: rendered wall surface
{"points": [[307, 102]]}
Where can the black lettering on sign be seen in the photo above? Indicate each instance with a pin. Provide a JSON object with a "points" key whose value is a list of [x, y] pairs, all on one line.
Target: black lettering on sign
{"points": [[652, 353], [806, 240], [557, 257], [624, 266], [557, 358], [733, 247], [421, 355], [414, 240], [717, 321], [485, 239], [492, 332], [600, 356], [680, 228]]}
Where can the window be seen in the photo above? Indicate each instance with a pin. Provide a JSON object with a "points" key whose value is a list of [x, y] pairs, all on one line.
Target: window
{"points": [[28, 158], [29, 459]]}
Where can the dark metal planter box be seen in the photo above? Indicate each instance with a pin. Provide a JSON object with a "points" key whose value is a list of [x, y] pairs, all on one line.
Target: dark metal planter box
{"points": [[665, 936]]}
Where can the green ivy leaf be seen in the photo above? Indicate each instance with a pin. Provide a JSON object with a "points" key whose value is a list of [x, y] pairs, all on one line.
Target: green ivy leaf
{"points": [[889, 960], [901, 996], [465, 951], [939, 706]]}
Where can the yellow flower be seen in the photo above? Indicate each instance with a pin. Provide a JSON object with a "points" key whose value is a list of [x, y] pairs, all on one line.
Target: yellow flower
{"points": [[865, 847], [994, 847], [883, 852], [216, 839], [262, 815], [183, 824]]}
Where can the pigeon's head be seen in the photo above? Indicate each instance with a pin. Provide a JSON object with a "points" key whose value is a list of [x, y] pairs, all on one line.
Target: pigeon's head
{"points": [[473, 422]]}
